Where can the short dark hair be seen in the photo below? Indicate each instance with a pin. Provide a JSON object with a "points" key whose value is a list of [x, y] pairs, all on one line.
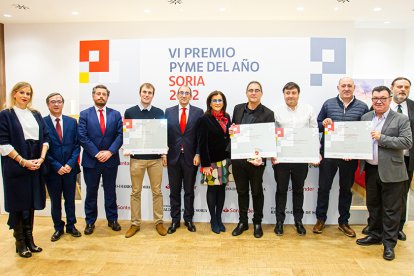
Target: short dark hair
{"points": [[209, 98], [291, 85], [381, 88], [400, 78], [256, 82], [52, 95], [100, 86], [147, 84]]}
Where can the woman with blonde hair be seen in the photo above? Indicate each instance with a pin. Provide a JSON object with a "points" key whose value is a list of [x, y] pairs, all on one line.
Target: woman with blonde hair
{"points": [[23, 146]]}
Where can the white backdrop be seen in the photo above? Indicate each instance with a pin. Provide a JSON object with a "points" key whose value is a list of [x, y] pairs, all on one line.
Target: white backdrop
{"points": [[207, 64]]}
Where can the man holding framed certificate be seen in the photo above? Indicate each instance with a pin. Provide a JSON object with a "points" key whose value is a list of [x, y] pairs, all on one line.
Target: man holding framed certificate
{"points": [[291, 115], [250, 172], [344, 107], [152, 163]]}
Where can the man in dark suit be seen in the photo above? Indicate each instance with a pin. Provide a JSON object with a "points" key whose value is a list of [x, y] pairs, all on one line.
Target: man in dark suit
{"points": [[183, 157], [250, 173], [385, 174], [100, 134], [62, 164]]}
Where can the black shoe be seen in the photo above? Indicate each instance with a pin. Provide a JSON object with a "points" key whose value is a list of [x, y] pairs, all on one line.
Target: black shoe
{"points": [[389, 254], [240, 228], [257, 230], [74, 232], [368, 240], [279, 228], [220, 224], [173, 227], [190, 226], [56, 236], [22, 249], [89, 229], [299, 228], [114, 225], [402, 236], [365, 231], [214, 226]]}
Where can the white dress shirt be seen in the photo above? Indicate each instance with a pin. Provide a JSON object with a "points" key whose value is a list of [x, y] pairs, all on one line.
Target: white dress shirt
{"points": [[302, 116], [377, 124]]}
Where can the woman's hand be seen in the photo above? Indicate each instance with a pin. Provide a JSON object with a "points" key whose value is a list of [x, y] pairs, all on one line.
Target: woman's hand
{"points": [[206, 170]]}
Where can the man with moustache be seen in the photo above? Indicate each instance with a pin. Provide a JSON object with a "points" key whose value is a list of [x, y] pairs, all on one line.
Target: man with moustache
{"points": [[183, 157], [250, 173], [400, 88], [385, 174], [344, 107], [100, 134], [62, 164], [152, 163]]}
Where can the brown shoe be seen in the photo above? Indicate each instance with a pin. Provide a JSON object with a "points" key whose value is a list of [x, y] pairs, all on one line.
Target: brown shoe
{"points": [[317, 229], [161, 229], [347, 230], [132, 231]]}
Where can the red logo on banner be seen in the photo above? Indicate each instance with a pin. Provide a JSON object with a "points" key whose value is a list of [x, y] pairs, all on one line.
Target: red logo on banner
{"points": [[280, 132], [100, 48], [331, 127], [127, 123]]}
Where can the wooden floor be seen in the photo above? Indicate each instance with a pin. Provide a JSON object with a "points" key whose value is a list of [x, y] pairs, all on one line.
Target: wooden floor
{"points": [[202, 253]]}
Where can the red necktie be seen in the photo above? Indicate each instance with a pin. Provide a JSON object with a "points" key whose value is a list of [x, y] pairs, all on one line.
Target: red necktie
{"points": [[183, 120], [102, 121], [59, 129]]}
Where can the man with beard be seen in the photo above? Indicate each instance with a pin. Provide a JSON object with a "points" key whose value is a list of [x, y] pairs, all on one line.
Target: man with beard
{"points": [[100, 134], [400, 88]]}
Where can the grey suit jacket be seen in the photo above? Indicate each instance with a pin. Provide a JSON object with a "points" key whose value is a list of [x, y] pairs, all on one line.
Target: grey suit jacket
{"points": [[395, 138]]}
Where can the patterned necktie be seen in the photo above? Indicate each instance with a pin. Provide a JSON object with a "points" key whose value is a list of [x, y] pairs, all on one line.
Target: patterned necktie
{"points": [[59, 129], [399, 110], [102, 121], [183, 120]]}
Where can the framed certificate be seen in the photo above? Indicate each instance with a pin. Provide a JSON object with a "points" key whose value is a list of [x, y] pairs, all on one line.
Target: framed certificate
{"points": [[297, 145], [147, 136], [349, 140], [253, 141]]}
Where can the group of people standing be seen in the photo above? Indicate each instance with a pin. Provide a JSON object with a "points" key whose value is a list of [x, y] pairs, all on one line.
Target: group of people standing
{"points": [[38, 151]]}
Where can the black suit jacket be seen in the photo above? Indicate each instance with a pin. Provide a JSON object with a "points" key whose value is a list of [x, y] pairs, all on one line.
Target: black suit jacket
{"points": [[410, 107], [214, 142]]}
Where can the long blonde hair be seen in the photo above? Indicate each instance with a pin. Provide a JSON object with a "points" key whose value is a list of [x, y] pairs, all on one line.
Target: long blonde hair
{"points": [[17, 87]]}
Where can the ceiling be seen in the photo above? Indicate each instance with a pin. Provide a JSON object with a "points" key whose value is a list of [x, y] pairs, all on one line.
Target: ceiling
{"points": [[364, 13]]}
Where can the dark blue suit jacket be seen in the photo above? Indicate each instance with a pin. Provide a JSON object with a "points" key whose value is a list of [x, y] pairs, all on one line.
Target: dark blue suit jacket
{"points": [[92, 140], [189, 139], [66, 151]]}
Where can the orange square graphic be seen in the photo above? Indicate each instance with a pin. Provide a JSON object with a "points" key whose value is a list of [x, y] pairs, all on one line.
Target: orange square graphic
{"points": [[101, 46]]}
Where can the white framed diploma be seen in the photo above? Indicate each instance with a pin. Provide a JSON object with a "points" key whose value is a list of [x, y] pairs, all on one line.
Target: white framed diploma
{"points": [[351, 140], [253, 141], [297, 145], [145, 136]]}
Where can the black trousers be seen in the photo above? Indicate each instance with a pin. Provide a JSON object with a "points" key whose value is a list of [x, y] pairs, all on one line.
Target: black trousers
{"points": [[181, 175], [384, 206], [405, 193], [327, 172], [245, 175], [283, 173]]}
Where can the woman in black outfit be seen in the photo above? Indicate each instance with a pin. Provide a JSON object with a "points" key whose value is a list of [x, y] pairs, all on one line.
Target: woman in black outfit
{"points": [[215, 155], [23, 147]]}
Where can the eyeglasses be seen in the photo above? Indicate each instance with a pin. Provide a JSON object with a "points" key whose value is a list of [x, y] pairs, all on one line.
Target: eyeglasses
{"points": [[56, 102], [216, 100], [254, 90], [382, 100], [183, 93]]}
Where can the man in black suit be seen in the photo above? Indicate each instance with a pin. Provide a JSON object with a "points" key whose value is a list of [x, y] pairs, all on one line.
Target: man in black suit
{"points": [[385, 174], [183, 157], [62, 164], [250, 173]]}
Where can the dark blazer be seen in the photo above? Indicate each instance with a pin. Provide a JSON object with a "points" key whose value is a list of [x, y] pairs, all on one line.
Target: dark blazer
{"points": [[189, 139], [66, 151], [92, 140], [410, 107], [18, 195], [214, 142], [261, 114], [395, 138]]}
